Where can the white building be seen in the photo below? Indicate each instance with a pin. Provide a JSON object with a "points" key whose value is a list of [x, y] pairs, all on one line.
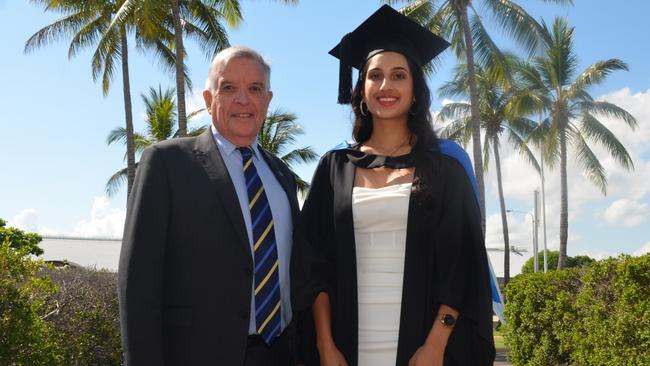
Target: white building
{"points": [[99, 253], [104, 253]]}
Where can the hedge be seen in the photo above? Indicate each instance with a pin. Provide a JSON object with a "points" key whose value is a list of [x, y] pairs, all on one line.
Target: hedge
{"points": [[597, 315], [56, 316]]}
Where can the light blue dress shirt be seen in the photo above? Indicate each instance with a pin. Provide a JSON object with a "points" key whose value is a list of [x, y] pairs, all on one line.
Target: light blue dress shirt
{"points": [[280, 210]]}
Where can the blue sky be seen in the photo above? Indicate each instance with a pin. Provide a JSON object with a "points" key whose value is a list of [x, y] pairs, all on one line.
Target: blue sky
{"points": [[55, 120]]}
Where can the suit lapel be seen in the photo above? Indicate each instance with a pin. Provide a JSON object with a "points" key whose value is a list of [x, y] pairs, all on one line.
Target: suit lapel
{"points": [[208, 154]]}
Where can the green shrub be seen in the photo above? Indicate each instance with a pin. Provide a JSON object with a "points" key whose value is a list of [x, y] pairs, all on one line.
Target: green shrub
{"points": [[18, 239], [25, 338], [552, 257], [598, 315], [87, 316], [539, 305], [51, 317], [613, 326]]}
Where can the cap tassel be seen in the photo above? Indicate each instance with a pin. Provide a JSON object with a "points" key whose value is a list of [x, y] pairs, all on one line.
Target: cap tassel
{"points": [[345, 83], [345, 72]]}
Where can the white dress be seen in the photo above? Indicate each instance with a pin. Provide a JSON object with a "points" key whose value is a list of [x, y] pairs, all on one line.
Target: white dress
{"points": [[380, 217]]}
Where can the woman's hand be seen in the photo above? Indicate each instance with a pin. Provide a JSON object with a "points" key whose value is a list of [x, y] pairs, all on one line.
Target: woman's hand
{"points": [[331, 356], [427, 355]]}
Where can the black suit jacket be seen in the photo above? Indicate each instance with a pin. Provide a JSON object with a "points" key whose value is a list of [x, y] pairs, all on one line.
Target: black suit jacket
{"points": [[185, 269]]}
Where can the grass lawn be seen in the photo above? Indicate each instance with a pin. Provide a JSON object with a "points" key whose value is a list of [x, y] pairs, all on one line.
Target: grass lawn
{"points": [[499, 342]]}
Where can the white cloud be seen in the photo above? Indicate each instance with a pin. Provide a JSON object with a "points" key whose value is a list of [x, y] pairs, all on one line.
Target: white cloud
{"points": [[26, 220], [520, 180], [104, 221], [626, 212], [638, 105], [643, 250]]}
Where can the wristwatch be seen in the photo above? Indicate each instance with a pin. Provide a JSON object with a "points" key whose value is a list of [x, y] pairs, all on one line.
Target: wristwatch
{"points": [[447, 320]]}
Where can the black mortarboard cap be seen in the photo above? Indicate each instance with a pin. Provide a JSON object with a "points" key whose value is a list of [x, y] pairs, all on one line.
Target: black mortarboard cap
{"points": [[385, 30]]}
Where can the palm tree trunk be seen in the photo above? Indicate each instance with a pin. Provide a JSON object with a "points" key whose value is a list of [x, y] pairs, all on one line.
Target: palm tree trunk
{"points": [[564, 211], [180, 76], [128, 115], [504, 218], [461, 7]]}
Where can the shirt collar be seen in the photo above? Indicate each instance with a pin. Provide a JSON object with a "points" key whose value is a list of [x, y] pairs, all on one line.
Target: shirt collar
{"points": [[228, 147]]}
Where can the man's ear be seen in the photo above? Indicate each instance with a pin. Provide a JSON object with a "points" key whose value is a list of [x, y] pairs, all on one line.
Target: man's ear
{"points": [[207, 97], [269, 96]]}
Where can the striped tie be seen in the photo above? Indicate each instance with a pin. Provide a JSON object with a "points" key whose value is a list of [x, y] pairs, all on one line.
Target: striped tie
{"points": [[267, 280]]}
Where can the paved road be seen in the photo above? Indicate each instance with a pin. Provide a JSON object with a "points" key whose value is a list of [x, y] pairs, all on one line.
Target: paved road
{"points": [[500, 359]]}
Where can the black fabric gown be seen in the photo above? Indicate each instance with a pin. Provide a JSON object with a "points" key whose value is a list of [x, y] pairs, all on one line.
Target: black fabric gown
{"points": [[445, 262]]}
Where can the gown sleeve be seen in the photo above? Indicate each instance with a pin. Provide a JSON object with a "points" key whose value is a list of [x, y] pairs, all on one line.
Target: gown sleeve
{"points": [[317, 256], [462, 274], [316, 260]]}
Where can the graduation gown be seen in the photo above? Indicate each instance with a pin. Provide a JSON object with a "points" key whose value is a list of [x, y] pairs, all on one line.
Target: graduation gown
{"points": [[445, 263]]}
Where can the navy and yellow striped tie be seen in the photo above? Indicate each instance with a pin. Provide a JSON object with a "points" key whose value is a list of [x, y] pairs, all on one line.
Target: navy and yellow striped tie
{"points": [[267, 280]]}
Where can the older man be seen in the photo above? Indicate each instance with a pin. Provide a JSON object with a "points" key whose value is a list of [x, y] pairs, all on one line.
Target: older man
{"points": [[204, 269]]}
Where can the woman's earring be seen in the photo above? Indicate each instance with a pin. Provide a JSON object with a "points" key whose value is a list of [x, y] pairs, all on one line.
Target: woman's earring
{"points": [[411, 111], [361, 104]]}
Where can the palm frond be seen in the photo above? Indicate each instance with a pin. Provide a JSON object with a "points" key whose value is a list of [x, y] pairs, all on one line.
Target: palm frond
{"points": [[89, 34], [610, 110], [115, 182], [166, 57], [230, 11], [420, 11], [594, 130], [195, 131], [595, 74], [118, 134], [301, 155], [301, 185], [517, 23], [487, 53], [589, 162], [105, 58], [522, 148], [487, 145], [459, 130], [561, 60], [202, 24], [424, 13], [141, 142], [560, 2], [454, 111], [458, 86], [529, 76], [60, 29], [195, 113]]}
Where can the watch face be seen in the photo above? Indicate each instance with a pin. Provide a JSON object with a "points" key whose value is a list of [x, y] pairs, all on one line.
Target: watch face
{"points": [[448, 320]]}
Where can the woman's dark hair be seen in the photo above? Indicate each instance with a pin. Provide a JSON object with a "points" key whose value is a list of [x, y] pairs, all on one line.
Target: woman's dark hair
{"points": [[419, 122], [419, 118]]}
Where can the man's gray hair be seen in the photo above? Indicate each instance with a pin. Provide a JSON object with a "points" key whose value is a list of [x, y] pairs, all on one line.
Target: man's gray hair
{"points": [[222, 59]]}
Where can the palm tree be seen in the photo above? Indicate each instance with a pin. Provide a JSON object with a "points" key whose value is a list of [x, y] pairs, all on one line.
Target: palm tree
{"points": [[88, 24], [451, 20], [198, 19], [161, 125], [503, 108], [280, 130], [169, 20], [572, 114]]}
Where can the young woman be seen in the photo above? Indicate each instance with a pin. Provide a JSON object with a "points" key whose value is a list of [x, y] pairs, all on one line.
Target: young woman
{"points": [[399, 272]]}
